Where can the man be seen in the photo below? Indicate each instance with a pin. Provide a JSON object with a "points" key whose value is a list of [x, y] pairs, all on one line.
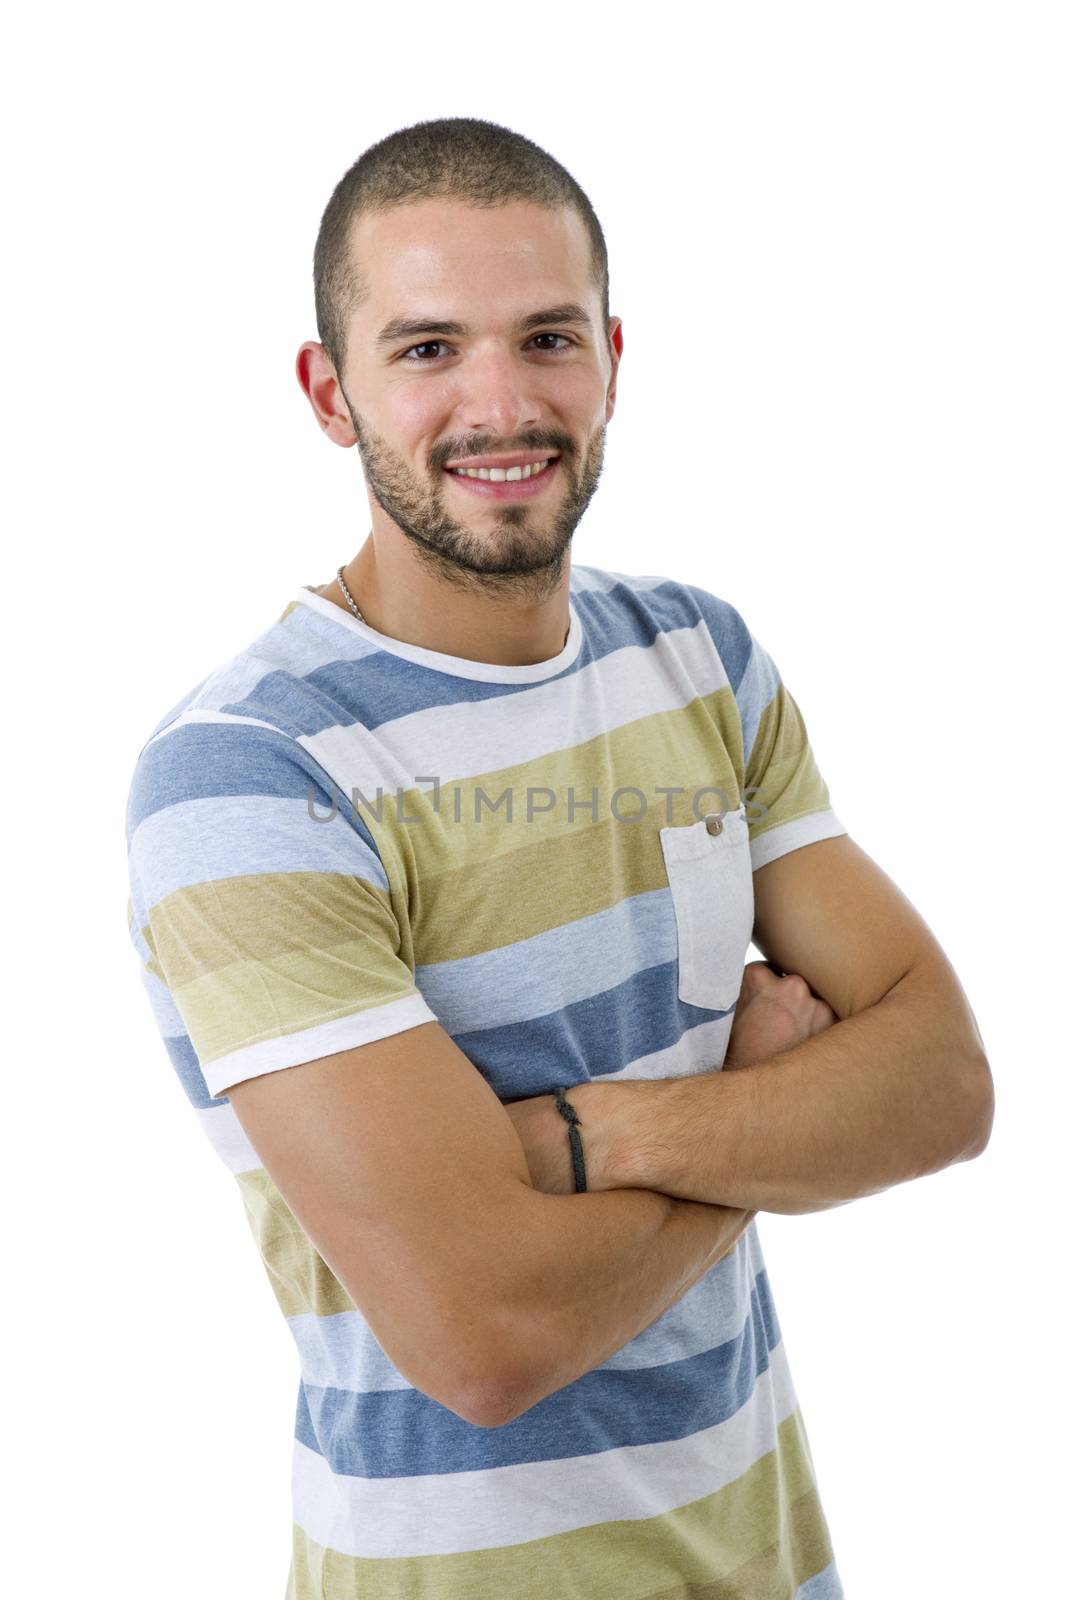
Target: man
{"points": [[467, 825]]}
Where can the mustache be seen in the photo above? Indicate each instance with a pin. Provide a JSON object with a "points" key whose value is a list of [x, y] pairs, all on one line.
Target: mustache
{"points": [[493, 447]]}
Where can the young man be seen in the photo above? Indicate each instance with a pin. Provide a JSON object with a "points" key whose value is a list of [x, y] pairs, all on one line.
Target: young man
{"points": [[466, 825]]}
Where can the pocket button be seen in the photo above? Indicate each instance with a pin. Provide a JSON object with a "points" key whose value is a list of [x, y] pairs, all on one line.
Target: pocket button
{"points": [[713, 823]]}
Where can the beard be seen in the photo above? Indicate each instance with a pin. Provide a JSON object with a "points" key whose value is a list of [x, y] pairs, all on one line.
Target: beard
{"points": [[521, 551]]}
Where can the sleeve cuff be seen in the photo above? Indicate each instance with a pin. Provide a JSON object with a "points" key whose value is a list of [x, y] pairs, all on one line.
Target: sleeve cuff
{"points": [[791, 835], [293, 1049]]}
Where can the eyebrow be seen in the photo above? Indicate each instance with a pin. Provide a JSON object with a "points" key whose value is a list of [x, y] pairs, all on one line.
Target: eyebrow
{"points": [[571, 315]]}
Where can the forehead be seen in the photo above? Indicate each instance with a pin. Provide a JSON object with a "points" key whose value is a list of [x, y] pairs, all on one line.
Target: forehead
{"points": [[438, 254]]}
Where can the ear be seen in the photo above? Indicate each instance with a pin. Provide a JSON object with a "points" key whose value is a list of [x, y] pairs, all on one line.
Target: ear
{"points": [[615, 351], [317, 377]]}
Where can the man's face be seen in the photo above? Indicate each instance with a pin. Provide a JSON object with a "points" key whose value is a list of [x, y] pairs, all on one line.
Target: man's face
{"points": [[427, 396]]}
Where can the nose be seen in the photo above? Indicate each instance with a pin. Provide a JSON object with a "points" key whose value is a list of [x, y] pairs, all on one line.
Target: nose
{"points": [[498, 395]]}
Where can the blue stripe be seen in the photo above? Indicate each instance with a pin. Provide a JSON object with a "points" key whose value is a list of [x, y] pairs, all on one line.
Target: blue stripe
{"points": [[176, 710], [406, 1434], [576, 1043], [374, 687], [826, 1585], [186, 1064], [314, 677], [754, 694], [534, 976], [670, 604], [168, 1017], [586, 578], [374, 690], [729, 633], [579, 1042], [206, 760], [227, 836]]}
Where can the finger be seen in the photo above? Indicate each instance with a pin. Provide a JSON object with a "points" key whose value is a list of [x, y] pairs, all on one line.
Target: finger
{"points": [[760, 972], [823, 1016]]}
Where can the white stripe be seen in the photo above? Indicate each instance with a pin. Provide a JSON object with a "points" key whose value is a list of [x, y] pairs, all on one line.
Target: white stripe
{"points": [[791, 835], [456, 742], [339, 1350], [167, 1016], [236, 678], [448, 1513], [202, 715], [242, 835], [539, 975], [308, 1044], [700, 1049], [229, 1138], [455, 666], [599, 579], [759, 684]]}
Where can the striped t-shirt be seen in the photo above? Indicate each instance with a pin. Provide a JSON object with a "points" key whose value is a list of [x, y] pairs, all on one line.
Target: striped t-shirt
{"points": [[338, 836]]}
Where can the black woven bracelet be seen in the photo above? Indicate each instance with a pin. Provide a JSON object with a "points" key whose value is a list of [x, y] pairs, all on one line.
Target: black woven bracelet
{"points": [[565, 1109]]}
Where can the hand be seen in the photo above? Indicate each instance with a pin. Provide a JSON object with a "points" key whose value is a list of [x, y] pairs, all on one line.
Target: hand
{"points": [[773, 1014]]}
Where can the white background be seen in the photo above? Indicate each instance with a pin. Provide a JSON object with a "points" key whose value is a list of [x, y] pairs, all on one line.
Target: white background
{"points": [[836, 239]]}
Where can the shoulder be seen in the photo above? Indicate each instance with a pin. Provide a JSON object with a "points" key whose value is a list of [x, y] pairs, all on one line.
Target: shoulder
{"points": [[669, 603], [247, 731]]}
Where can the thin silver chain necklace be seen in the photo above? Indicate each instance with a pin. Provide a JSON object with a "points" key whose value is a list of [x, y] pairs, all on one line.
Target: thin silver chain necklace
{"points": [[348, 597]]}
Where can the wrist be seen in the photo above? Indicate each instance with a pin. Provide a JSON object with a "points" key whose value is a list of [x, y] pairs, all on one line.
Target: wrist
{"points": [[611, 1115]]}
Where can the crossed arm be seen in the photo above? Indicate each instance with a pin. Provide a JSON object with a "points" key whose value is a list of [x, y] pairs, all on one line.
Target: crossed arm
{"points": [[898, 1087]]}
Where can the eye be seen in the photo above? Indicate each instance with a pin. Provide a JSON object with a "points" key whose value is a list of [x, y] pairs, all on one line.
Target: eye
{"points": [[562, 336], [432, 344], [439, 344]]}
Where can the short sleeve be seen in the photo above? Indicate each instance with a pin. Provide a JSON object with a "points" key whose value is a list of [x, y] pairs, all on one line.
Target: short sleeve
{"points": [[260, 904], [787, 799]]}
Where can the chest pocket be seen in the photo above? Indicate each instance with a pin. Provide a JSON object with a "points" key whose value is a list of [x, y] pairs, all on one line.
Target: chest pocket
{"points": [[710, 877]]}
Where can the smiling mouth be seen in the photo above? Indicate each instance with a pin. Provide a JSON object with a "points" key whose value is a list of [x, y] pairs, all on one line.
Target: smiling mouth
{"points": [[512, 483]]}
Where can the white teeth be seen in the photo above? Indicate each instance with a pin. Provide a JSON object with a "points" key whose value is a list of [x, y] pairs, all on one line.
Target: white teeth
{"points": [[499, 474]]}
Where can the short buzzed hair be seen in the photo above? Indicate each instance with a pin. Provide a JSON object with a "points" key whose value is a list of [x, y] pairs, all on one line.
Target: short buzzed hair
{"points": [[455, 158]]}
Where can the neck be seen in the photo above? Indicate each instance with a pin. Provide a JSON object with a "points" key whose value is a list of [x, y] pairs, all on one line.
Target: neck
{"points": [[465, 618]]}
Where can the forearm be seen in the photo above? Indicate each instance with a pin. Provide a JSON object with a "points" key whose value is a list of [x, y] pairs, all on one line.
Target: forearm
{"points": [[883, 1096], [592, 1272]]}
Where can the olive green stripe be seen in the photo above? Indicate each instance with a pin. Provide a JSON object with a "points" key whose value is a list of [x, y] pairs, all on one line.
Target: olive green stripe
{"points": [[781, 732], [786, 794], [681, 748], [782, 780], [300, 1278], [735, 1533], [262, 917], [497, 896], [252, 1001], [505, 900], [301, 948]]}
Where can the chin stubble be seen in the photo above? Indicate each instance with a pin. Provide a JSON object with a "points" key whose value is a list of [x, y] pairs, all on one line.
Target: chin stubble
{"points": [[511, 555]]}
